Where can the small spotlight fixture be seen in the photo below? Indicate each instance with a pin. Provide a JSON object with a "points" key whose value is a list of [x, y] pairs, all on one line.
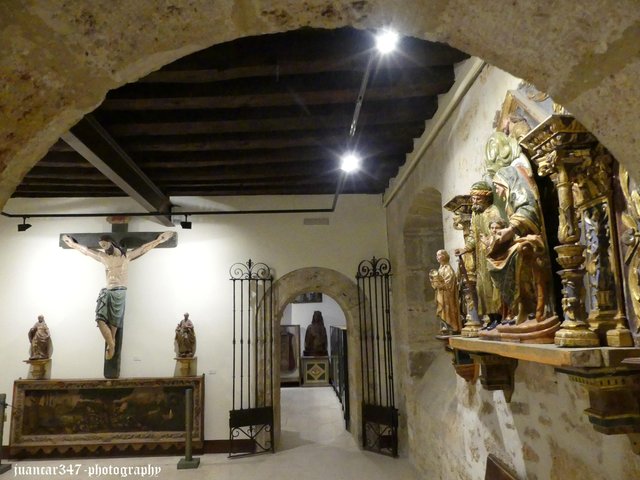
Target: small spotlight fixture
{"points": [[186, 225], [24, 226], [350, 162], [386, 41]]}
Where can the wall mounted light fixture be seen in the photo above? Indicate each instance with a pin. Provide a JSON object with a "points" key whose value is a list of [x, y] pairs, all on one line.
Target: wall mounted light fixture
{"points": [[24, 226], [186, 224]]}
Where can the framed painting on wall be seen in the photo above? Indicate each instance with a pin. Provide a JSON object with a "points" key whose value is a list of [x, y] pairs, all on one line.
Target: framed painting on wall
{"points": [[309, 297], [289, 354]]}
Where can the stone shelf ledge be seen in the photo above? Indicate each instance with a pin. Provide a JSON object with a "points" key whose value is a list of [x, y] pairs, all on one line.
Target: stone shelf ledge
{"points": [[598, 357], [610, 375]]}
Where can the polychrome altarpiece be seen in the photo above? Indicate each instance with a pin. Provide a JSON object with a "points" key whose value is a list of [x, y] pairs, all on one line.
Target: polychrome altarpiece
{"points": [[58, 416], [558, 238]]}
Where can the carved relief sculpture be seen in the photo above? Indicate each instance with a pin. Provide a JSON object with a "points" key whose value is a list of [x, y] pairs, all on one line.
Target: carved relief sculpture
{"points": [[631, 241], [41, 346], [185, 338], [445, 283]]}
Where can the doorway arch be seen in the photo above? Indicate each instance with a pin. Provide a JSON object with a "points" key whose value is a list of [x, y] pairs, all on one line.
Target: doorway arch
{"points": [[345, 292], [60, 61]]}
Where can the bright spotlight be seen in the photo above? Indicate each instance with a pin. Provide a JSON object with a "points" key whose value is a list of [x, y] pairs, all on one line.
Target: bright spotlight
{"points": [[350, 162], [386, 41]]}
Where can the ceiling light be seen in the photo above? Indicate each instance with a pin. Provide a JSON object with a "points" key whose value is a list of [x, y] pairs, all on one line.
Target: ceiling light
{"points": [[24, 226], [186, 225], [386, 41], [350, 162]]}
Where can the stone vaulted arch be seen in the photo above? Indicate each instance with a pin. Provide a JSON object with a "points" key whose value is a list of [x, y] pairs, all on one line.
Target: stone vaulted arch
{"points": [[60, 59], [345, 292]]}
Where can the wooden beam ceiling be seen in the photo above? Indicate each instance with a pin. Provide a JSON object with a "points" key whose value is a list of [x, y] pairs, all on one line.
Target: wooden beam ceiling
{"points": [[256, 116]]}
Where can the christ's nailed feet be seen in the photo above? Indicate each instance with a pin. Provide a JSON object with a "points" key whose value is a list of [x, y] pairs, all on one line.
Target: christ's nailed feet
{"points": [[111, 347]]}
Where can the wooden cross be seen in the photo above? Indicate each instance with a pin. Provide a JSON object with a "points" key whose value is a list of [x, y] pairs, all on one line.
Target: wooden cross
{"points": [[128, 240]]}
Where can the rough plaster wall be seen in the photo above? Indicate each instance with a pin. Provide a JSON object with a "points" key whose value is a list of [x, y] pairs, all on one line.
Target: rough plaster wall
{"points": [[60, 58], [452, 426]]}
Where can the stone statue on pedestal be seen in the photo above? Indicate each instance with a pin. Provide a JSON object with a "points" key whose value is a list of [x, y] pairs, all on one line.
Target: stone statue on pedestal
{"points": [[41, 346], [185, 339], [315, 340]]}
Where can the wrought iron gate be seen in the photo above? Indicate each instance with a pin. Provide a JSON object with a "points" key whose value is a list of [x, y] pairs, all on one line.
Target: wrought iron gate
{"points": [[251, 420], [379, 415]]}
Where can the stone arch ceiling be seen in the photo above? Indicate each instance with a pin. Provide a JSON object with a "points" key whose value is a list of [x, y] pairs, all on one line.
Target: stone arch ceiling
{"points": [[59, 59]]}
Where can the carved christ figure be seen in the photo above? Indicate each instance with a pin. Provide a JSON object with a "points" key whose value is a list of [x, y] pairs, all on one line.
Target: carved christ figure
{"points": [[111, 299]]}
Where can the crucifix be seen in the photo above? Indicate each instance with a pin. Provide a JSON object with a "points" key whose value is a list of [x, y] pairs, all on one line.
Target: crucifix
{"points": [[114, 250]]}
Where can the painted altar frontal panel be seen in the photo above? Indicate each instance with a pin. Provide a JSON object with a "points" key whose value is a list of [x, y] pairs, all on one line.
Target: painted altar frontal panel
{"points": [[58, 415]]}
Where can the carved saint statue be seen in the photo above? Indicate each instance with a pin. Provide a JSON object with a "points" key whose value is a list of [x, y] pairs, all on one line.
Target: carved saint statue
{"points": [[444, 281], [517, 254], [315, 340], [185, 340], [484, 212], [111, 300], [40, 340]]}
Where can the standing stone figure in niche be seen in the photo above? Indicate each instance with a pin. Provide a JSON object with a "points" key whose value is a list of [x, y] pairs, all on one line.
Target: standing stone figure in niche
{"points": [[315, 340], [185, 338], [111, 300], [40, 339], [484, 212], [444, 281]]}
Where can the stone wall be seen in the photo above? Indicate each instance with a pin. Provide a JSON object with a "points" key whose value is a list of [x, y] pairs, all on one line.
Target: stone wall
{"points": [[450, 426]]}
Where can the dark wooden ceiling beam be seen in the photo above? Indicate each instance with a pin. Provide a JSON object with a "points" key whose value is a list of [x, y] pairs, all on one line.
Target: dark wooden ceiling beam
{"points": [[69, 190], [93, 142], [170, 160], [394, 135], [270, 124], [122, 117], [283, 68], [335, 141], [276, 99]]}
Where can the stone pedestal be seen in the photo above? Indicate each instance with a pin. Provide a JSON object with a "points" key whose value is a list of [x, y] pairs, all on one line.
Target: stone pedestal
{"points": [[39, 369], [315, 371], [186, 367]]}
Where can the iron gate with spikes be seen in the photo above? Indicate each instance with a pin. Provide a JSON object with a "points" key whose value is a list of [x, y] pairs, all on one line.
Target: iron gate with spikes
{"points": [[379, 415], [251, 419]]}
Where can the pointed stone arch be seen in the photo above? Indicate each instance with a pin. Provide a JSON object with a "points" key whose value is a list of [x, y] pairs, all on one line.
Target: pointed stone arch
{"points": [[345, 292]]}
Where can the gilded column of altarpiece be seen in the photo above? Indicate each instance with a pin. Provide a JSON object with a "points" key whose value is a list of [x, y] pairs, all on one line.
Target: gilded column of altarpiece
{"points": [[581, 170]]}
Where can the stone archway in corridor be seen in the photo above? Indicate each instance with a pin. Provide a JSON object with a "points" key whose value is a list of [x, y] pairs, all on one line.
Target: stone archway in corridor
{"points": [[345, 292], [60, 60]]}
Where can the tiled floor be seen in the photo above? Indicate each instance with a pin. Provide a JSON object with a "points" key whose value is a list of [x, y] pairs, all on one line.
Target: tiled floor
{"points": [[314, 446]]}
